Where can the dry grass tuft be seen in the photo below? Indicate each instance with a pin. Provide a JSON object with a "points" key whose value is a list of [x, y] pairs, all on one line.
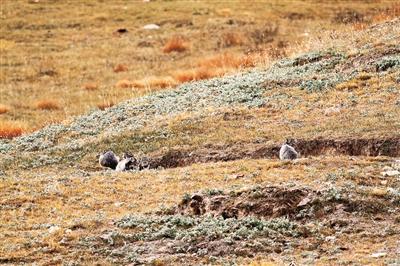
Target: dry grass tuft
{"points": [[197, 74], [215, 66], [120, 68], [47, 105], [388, 14], [9, 130], [161, 82], [230, 39], [175, 44], [224, 12], [124, 84], [3, 109], [185, 75], [105, 105], [228, 60], [91, 86]]}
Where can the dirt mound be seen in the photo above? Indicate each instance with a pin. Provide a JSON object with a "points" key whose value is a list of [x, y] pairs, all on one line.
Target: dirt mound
{"points": [[272, 202], [315, 147], [263, 219], [264, 202]]}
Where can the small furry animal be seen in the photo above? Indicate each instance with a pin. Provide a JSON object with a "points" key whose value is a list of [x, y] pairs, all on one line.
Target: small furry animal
{"points": [[287, 152], [127, 163], [108, 159], [143, 163]]}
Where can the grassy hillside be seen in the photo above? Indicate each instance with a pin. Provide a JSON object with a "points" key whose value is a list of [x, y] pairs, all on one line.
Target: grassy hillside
{"points": [[215, 192], [63, 58]]}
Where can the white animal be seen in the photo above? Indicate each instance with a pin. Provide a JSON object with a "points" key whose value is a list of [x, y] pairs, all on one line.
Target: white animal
{"points": [[287, 152], [108, 159], [127, 163]]}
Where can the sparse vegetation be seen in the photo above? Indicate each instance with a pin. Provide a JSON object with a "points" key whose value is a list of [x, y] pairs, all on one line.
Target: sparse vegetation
{"points": [[60, 67], [175, 44], [259, 73]]}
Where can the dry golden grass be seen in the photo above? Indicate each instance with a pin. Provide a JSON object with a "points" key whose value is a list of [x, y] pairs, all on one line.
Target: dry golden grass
{"points": [[59, 50], [105, 105], [137, 84], [196, 74], [121, 68], [175, 44], [91, 86], [229, 39], [80, 200], [3, 109], [160, 82], [9, 130], [228, 60], [47, 105]]}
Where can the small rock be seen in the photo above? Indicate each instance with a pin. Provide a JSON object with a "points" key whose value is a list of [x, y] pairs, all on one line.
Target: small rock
{"points": [[330, 238], [118, 204], [332, 110], [53, 229], [151, 27], [378, 254], [391, 173]]}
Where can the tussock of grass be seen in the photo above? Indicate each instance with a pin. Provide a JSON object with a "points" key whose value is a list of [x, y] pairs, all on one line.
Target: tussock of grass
{"points": [[121, 68], [176, 44], [124, 84], [9, 130], [47, 105], [160, 82], [3, 109], [105, 105], [91, 86]]}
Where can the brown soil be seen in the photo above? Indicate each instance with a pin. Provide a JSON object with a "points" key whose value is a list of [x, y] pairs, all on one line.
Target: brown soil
{"points": [[315, 147], [272, 202]]}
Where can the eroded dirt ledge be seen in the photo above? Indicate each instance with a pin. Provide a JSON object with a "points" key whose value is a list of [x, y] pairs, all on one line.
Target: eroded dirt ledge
{"points": [[316, 147]]}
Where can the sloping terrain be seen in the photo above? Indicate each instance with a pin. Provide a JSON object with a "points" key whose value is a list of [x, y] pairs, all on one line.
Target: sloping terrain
{"points": [[216, 192], [64, 58]]}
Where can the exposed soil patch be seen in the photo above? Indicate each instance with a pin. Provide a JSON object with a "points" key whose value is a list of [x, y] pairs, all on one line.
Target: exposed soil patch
{"points": [[273, 202], [316, 147], [256, 220]]}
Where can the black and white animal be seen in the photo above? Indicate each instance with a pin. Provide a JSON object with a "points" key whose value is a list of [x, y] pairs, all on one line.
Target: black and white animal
{"points": [[108, 159], [287, 152], [127, 163]]}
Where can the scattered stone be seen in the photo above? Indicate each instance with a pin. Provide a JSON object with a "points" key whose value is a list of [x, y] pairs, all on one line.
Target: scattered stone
{"points": [[151, 27], [53, 229], [378, 254], [391, 173]]}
